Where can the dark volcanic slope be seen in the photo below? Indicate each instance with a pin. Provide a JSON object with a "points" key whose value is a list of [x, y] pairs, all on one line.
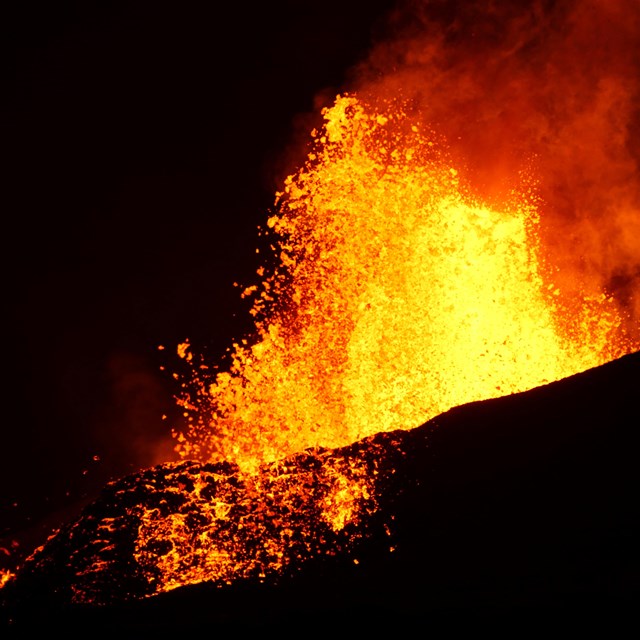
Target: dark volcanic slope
{"points": [[519, 509]]}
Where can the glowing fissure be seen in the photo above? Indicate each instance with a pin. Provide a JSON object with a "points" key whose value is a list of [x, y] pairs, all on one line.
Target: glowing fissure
{"points": [[396, 296]]}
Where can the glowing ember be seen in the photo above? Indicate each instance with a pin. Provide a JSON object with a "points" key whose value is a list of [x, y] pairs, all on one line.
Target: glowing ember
{"points": [[5, 577], [396, 296]]}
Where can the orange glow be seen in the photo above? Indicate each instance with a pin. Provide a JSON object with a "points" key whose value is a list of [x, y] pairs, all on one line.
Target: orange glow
{"points": [[5, 577], [249, 526]]}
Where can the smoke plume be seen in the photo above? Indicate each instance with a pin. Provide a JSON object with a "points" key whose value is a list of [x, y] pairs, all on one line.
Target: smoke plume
{"points": [[548, 88]]}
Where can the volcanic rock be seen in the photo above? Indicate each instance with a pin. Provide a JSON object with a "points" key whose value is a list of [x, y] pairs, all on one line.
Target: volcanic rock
{"points": [[517, 509]]}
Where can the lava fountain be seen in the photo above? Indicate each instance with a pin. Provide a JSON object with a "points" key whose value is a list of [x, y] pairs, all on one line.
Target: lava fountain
{"points": [[396, 295], [395, 287], [392, 295]]}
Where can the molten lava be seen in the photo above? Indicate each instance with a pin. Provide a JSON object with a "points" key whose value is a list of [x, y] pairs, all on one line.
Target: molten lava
{"points": [[394, 292], [396, 295]]}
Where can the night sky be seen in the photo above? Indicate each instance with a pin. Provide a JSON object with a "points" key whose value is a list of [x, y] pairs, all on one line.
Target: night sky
{"points": [[143, 143]]}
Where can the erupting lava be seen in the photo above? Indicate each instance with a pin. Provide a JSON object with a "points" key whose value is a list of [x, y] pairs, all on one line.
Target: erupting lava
{"points": [[396, 295]]}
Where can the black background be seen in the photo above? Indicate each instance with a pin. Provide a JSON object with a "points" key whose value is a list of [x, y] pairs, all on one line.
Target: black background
{"points": [[143, 143]]}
